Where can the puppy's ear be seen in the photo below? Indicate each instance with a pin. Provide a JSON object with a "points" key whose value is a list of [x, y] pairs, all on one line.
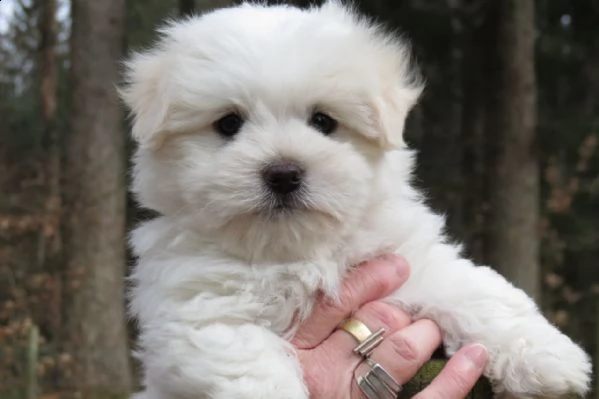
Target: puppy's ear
{"points": [[390, 110], [146, 93]]}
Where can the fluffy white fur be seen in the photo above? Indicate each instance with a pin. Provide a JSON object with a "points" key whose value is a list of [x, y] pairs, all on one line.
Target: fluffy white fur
{"points": [[223, 281]]}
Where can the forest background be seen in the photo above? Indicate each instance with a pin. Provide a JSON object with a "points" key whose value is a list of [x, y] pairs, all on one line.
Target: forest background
{"points": [[507, 133]]}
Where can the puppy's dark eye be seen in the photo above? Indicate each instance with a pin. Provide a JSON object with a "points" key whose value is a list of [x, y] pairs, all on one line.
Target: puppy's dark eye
{"points": [[323, 123], [229, 125]]}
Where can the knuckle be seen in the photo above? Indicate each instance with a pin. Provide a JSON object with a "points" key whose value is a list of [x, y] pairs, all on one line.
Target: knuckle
{"points": [[375, 275], [383, 314], [301, 341], [336, 306], [405, 347], [378, 284]]}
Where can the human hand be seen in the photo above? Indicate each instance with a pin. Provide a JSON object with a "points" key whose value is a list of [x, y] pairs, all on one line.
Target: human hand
{"points": [[326, 355]]}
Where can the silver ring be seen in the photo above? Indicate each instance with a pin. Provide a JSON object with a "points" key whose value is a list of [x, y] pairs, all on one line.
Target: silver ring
{"points": [[377, 383], [365, 348]]}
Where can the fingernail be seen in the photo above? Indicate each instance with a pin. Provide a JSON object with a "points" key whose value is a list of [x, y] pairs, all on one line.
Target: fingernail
{"points": [[478, 355]]}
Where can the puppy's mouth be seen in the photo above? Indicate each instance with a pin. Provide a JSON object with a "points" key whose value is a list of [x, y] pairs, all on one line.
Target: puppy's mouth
{"points": [[276, 206], [283, 204]]}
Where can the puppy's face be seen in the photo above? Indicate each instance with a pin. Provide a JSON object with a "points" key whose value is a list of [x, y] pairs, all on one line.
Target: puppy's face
{"points": [[266, 127]]}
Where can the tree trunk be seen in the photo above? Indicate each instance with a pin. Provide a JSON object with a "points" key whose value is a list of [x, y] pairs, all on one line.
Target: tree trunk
{"points": [[210, 5], [450, 173], [477, 66], [186, 7], [514, 246], [48, 29], [95, 199], [591, 108]]}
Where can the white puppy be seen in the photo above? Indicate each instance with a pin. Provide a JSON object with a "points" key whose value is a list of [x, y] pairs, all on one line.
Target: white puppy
{"points": [[270, 141]]}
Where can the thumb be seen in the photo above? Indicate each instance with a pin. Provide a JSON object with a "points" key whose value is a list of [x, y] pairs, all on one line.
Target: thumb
{"points": [[459, 375]]}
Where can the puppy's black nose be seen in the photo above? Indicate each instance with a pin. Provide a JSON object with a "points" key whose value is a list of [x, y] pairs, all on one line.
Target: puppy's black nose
{"points": [[283, 177]]}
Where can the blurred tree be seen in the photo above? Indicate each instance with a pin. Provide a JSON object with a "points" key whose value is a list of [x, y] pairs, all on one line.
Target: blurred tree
{"points": [[143, 18], [95, 199], [299, 3], [186, 7], [514, 246], [21, 127], [49, 28], [209, 5]]}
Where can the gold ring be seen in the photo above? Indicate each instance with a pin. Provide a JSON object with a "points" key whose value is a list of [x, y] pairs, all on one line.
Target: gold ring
{"points": [[367, 340], [356, 329]]}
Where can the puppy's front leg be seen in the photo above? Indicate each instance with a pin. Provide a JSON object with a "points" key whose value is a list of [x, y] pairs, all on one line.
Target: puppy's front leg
{"points": [[528, 356], [219, 361]]}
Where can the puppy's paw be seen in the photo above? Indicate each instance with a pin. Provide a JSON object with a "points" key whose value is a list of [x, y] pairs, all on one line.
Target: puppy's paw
{"points": [[545, 363]]}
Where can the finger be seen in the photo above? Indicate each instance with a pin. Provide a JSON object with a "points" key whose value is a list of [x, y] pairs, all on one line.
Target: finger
{"points": [[459, 375], [374, 315], [368, 282], [404, 352]]}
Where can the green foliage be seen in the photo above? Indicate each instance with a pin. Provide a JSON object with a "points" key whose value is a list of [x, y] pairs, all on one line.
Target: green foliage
{"points": [[430, 370], [143, 16], [568, 136], [21, 129]]}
